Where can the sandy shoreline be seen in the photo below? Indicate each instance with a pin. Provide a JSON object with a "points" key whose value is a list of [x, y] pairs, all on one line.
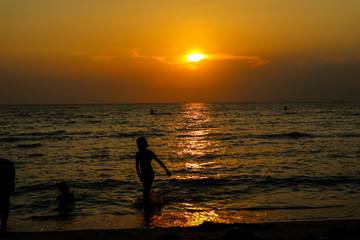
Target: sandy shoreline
{"points": [[331, 229]]}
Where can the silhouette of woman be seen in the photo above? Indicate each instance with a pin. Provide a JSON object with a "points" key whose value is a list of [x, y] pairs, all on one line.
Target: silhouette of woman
{"points": [[144, 168]]}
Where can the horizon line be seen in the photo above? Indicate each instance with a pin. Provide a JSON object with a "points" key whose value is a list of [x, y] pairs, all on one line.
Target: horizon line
{"points": [[224, 102]]}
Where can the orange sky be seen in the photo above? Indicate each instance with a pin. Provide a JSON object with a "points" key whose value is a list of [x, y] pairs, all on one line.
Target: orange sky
{"points": [[133, 51]]}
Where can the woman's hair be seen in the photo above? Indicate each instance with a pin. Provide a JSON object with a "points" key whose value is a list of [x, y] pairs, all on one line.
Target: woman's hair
{"points": [[142, 143]]}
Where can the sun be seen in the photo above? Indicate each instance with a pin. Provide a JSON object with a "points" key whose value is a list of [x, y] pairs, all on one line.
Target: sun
{"points": [[195, 57]]}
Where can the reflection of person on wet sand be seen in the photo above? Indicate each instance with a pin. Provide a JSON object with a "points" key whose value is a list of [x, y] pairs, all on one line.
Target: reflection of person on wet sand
{"points": [[66, 199], [7, 179], [144, 168]]}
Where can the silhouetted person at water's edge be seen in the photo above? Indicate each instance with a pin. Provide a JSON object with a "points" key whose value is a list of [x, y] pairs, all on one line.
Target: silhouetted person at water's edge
{"points": [[7, 183], [144, 168], [66, 199]]}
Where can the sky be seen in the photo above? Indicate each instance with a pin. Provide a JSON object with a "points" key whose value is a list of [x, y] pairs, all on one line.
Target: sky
{"points": [[116, 51]]}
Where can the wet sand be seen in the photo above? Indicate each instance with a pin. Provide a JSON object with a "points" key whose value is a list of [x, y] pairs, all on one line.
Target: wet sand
{"points": [[334, 229]]}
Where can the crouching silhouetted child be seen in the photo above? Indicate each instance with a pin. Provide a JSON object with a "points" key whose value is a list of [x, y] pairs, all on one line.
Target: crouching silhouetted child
{"points": [[144, 168], [66, 199]]}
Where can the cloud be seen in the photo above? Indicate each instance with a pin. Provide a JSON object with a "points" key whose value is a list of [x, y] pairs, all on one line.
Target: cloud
{"points": [[344, 60], [175, 61], [252, 60], [106, 59], [182, 62]]}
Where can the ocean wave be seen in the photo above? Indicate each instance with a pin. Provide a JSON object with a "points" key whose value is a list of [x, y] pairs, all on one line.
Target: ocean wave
{"points": [[284, 208], [201, 181], [293, 135], [84, 116], [34, 145], [206, 166], [267, 182], [210, 135], [350, 135], [34, 136], [123, 122], [290, 113], [136, 134], [35, 155], [309, 181], [101, 184], [67, 216], [93, 121], [53, 133], [34, 188], [11, 139], [79, 133]]}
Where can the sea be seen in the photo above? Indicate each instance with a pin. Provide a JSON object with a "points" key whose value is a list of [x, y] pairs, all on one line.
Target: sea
{"points": [[230, 163]]}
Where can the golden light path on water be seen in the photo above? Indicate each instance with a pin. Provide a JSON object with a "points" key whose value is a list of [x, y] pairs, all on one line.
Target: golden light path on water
{"points": [[195, 142], [195, 216]]}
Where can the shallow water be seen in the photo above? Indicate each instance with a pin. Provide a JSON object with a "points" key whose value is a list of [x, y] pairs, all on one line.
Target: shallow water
{"points": [[230, 162]]}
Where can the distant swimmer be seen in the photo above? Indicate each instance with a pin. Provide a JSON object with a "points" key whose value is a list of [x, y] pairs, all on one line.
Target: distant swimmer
{"points": [[143, 166], [285, 108], [66, 199], [152, 112], [7, 184]]}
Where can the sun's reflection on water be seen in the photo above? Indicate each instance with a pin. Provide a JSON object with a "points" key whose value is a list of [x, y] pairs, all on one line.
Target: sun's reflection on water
{"points": [[195, 145], [194, 139], [191, 216], [195, 167], [196, 215]]}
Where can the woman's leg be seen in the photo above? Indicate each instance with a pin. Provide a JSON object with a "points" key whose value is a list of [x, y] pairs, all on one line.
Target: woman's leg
{"points": [[147, 182]]}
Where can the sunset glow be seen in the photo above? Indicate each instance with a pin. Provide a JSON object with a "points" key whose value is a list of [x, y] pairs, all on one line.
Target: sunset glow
{"points": [[195, 57], [126, 52]]}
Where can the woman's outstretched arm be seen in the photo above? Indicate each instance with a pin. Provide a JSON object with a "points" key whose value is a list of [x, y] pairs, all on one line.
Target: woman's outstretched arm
{"points": [[163, 165]]}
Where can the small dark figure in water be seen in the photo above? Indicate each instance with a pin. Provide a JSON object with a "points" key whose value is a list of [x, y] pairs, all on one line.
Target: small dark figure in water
{"points": [[144, 168], [152, 112], [7, 183], [66, 199], [285, 108]]}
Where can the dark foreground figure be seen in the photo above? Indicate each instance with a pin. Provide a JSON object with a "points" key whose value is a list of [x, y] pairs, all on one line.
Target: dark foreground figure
{"points": [[7, 183], [144, 168], [66, 199]]}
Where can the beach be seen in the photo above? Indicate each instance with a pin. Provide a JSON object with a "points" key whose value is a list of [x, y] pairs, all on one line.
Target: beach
{"points": [[329, 229]]}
